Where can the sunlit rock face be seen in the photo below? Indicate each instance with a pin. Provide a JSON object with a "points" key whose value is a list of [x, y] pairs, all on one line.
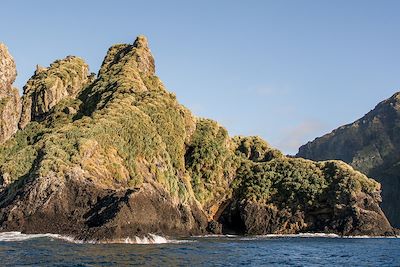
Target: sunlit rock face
{"points": [[10, 106]]}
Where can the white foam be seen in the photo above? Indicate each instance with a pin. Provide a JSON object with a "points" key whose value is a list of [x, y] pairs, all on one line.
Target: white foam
{"points": [[310, 235], [147, 239], [156, 239], [303, 235], [18, 236], [150, 239], [300, 235], [253, 237]]}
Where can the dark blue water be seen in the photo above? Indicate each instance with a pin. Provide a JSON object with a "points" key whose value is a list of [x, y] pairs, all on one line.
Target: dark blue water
{"points": [[221, 251]]}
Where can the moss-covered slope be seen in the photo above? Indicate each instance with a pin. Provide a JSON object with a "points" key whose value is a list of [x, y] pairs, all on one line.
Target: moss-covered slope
{"points": [[48, 86], [121, 157]]}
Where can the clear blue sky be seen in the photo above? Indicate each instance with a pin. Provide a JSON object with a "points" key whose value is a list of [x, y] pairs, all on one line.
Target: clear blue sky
{"points": [[288, 71]]}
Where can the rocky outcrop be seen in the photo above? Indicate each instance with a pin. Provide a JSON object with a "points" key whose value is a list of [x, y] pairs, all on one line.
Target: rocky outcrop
{"points": [[275, 194], [9, 97], [48, 86], [8, 69], [358, 215], [371, 145], [123, 159]]}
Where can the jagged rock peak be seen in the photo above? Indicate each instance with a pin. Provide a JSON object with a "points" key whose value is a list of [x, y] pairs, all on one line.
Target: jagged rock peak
{"points": [[141, 42], [48, 86], [8, 71], [136, 57], [145, 59], [10, 107], [39, 69]]}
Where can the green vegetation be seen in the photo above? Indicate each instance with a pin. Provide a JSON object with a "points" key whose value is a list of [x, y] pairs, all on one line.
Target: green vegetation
{"points": [[18, 154], [255, 149], [66, 72], [287, 182], [210, 162], [64, 78], [124, 129], [300, 184], [128, 139]]}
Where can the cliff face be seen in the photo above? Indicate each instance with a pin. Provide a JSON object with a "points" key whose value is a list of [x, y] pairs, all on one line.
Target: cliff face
{"points": [[10, 107], [371, 145], [121, 157]]}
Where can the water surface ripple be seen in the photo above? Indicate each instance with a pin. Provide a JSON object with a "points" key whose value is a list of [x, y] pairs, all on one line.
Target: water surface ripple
{"points": [[205, 251]]}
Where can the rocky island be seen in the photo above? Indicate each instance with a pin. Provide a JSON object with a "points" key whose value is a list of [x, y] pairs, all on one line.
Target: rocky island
{"points": [[114, 155]]}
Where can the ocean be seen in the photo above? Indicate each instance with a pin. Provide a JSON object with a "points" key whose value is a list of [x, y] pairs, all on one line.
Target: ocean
{"points": [[17, 249]]}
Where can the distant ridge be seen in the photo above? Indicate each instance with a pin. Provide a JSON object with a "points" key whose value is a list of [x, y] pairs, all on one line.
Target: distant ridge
{"points": [[371, 145]]}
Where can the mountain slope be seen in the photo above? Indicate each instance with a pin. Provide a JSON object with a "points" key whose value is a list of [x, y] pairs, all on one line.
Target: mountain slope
{"points": [[371, 145], [120, 157]]}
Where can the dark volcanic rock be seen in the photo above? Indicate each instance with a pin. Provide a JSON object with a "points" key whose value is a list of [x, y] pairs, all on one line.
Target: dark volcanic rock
{"points": [[362, 217], [371, 145], [85, 211]]}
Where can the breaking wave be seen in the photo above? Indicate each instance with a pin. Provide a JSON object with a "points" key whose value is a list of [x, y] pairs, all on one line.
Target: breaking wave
{"points": [[147, 239], [18, 236], [156, 239]]}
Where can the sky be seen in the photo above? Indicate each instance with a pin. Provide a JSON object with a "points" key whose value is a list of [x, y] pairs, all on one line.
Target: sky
{"points": [[288, 71]]}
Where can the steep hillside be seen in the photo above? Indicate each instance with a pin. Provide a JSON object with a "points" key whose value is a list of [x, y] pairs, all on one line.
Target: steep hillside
{"points": [[117, 156], [371, 145]]}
